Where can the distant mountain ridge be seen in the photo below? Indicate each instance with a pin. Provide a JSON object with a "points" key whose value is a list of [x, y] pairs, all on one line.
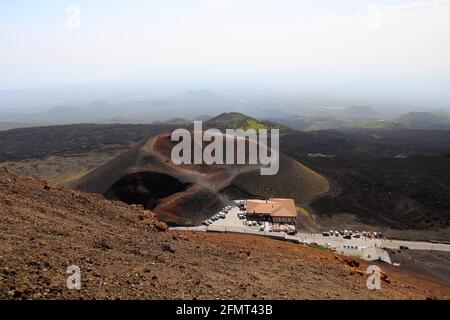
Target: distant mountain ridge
{"points": [[426, 120], [434, 120]]}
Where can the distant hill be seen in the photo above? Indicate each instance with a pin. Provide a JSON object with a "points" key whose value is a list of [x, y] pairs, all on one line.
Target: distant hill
{"points": [[347, 113], [314, 123], [235, 120], [186, 105], [426, 120], [365, 118], [175, 121], [378, 124], [413, 120], [204, 117], [230, 120]]}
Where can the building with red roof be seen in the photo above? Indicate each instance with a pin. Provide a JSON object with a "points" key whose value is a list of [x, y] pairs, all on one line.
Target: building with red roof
{"points": [[275, 210]]}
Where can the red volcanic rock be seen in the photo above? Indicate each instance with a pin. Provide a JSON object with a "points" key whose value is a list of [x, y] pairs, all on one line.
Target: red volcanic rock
{"points": [[161, 226]]}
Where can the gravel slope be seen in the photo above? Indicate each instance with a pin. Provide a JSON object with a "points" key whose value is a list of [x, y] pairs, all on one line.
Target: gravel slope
{"points": [[124, 253]]}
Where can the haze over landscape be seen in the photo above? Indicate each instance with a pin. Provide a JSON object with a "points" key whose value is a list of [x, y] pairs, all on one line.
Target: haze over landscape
{"points": [[386, 54]]}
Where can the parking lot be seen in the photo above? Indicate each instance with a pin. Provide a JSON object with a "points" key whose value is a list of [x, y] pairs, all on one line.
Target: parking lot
{"points": [[365, 247], [232, 221]]}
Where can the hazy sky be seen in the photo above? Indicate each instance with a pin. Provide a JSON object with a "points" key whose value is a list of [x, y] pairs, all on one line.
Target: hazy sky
{"points": [[366, 45]]}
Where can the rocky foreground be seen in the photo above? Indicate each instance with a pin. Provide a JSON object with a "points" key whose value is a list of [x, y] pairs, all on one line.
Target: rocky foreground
{"points": [[124, 252]]}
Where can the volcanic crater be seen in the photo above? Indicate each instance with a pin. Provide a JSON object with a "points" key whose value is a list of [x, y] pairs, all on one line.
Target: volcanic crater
{"points": [[188, 193]]}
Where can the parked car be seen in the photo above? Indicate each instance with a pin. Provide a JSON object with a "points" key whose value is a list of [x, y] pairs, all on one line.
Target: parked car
{"points": [[206, 223], [356, 235], [347, 236], [261, 228], [325, 234], [209, 221], [403, 247], [336, 233]]}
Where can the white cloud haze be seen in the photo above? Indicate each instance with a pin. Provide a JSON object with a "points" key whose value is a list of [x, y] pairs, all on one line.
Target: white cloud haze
{"points": [[285, 42]]}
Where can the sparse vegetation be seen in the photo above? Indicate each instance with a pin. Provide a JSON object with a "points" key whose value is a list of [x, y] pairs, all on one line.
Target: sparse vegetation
{"points": [[234, 120]]}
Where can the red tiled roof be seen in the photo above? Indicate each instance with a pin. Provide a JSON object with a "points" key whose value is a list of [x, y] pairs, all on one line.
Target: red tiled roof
{"points": [[273, 207]]}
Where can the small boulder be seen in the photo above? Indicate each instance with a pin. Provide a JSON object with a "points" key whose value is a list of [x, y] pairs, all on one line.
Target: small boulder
{"points": [[161, 226]]}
